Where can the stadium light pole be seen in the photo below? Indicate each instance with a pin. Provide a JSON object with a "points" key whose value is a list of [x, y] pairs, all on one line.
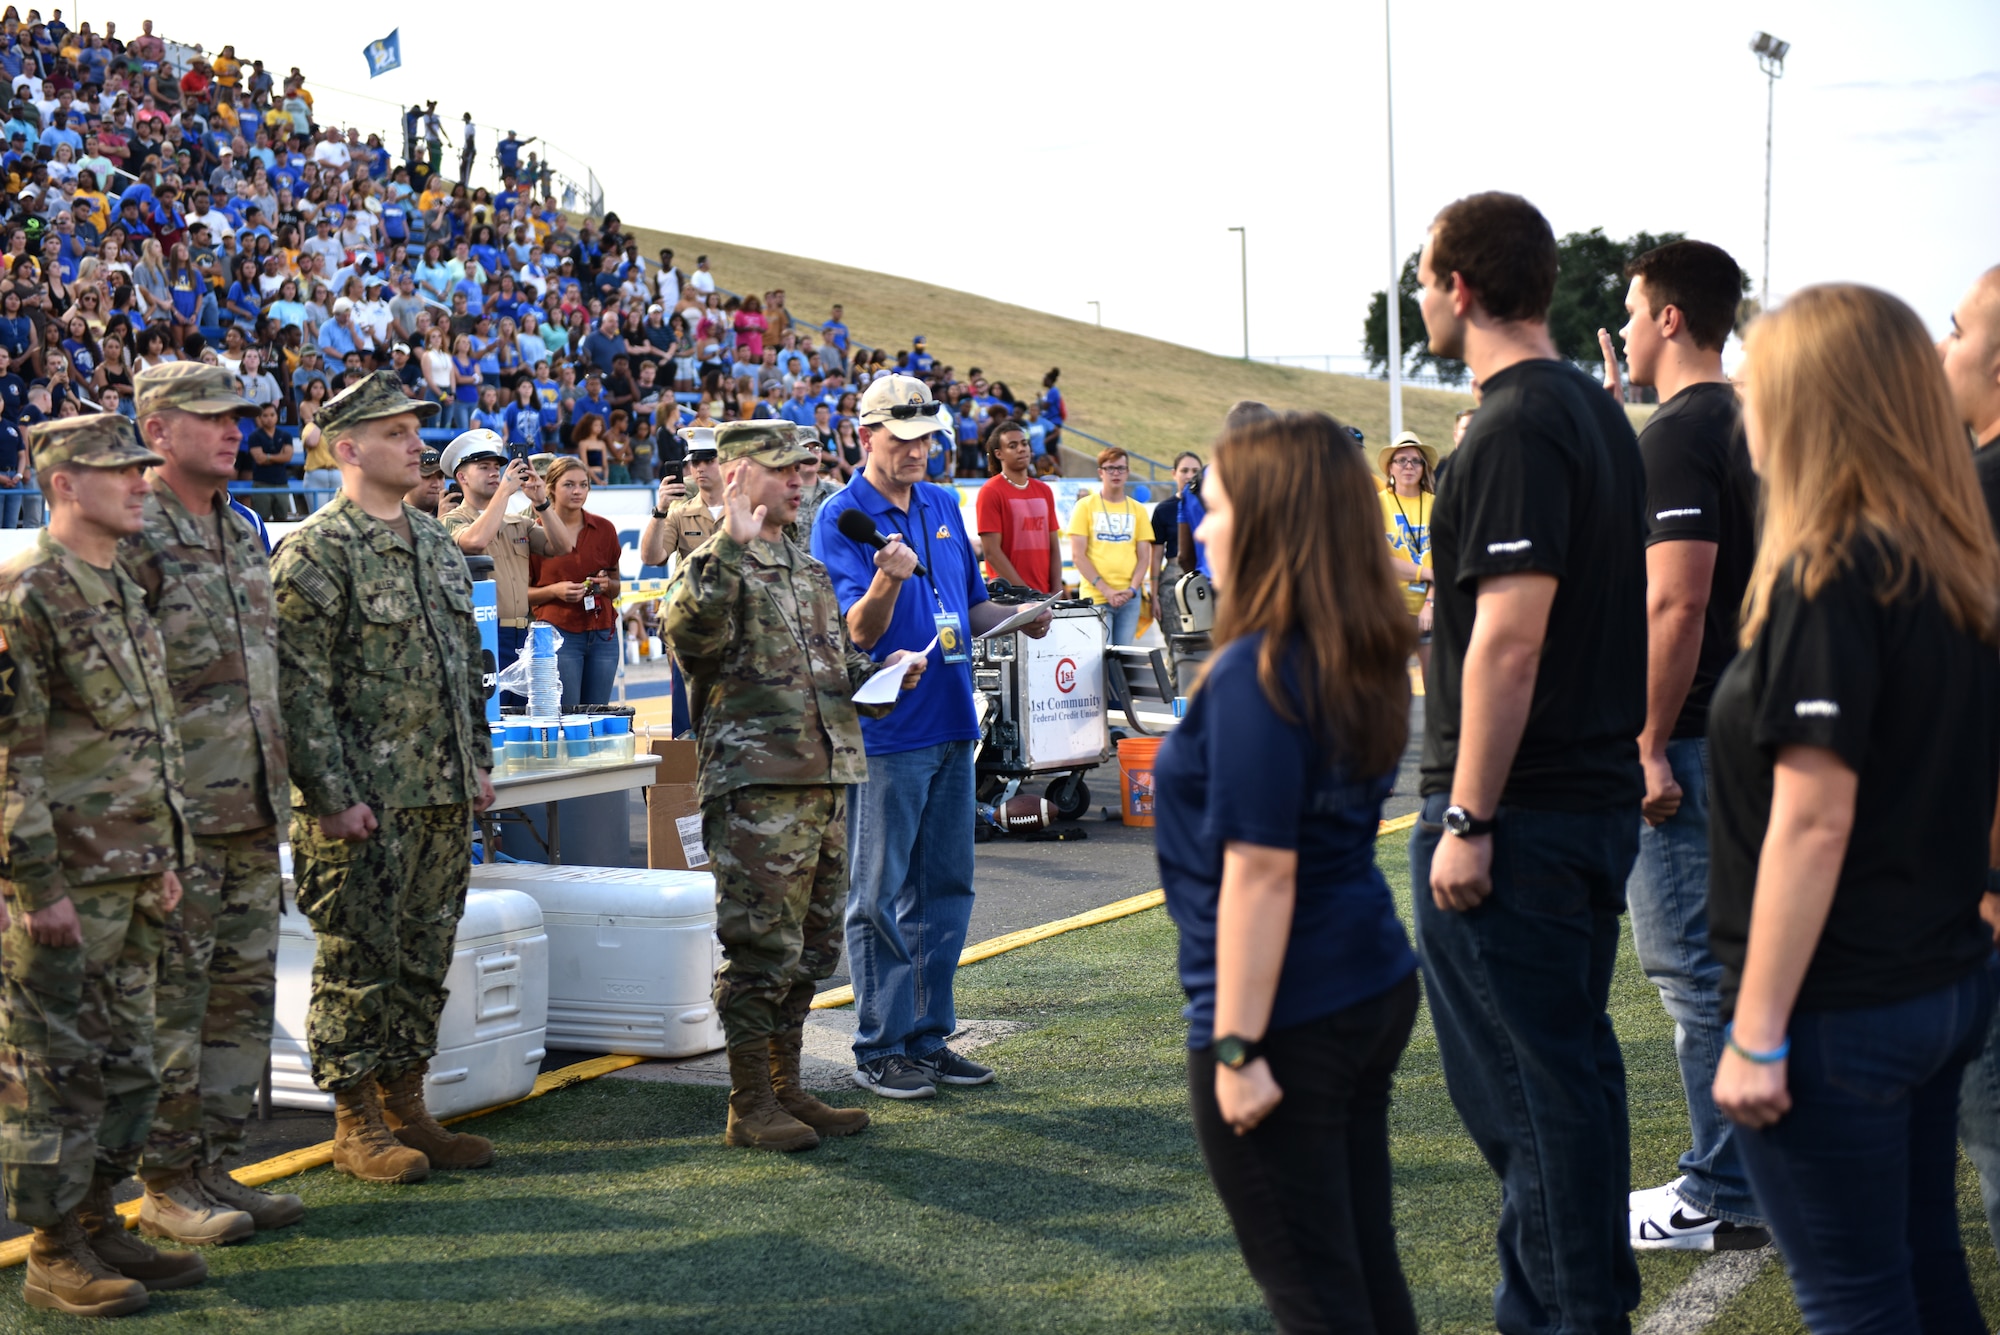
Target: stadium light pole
{"points": [[1100, 312], [1395, 298], [1770, 59], [1243, 235]]}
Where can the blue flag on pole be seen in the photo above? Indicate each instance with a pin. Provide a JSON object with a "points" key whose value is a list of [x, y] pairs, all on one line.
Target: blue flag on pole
{"points": [[384, 54]]}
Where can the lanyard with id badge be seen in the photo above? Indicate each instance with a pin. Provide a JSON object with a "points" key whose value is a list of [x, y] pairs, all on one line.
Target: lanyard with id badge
{"points": [[951, 642]]}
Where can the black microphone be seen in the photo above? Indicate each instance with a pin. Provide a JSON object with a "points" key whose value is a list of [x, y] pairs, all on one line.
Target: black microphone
{"points": [[853, 524]]}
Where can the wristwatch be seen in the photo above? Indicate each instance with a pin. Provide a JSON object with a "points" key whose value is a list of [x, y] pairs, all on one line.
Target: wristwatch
{"points": [[1459, 821], [543, 506], [659, 514], [1237, 1053]]}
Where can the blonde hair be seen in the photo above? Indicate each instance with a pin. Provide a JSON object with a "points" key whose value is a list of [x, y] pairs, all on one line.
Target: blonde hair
{"points": [[1859, 441]]}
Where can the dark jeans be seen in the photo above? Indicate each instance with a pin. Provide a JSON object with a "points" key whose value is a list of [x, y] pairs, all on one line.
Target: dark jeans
{"points": [[512, 639], [1309, 1189], [1518, 988], [1857, 1181]]}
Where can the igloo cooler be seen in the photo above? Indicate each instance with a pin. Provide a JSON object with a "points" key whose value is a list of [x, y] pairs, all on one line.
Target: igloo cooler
{"points": [[632, 955], [491, 1038]]}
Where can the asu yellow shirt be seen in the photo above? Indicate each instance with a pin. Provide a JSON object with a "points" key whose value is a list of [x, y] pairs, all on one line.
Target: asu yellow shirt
{"points": [[1112, 532]]}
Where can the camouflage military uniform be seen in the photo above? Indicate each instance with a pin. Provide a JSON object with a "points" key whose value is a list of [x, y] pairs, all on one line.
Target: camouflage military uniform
{"points": [[208, 586], [93, 812], [770, 675], [810, 500], [384, 705]]}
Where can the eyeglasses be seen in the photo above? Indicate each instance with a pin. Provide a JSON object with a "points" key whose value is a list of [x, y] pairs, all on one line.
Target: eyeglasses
{"points": [[1114, 472], [1406, 462]]}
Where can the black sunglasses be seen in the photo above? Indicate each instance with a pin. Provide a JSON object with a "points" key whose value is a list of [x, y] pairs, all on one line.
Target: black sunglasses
{"points": [[903, 412]]}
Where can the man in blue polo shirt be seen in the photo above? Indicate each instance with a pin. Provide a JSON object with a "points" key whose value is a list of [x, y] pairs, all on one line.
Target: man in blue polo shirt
{"points": [[910, 826]]}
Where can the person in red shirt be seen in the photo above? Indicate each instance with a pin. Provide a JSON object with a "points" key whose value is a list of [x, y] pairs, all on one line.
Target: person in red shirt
{"points": [[194, 84], [577, 592], [1016, 514]]}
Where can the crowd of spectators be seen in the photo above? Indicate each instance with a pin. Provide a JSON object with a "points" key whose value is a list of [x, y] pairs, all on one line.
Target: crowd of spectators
{"points": [[161, 205]]}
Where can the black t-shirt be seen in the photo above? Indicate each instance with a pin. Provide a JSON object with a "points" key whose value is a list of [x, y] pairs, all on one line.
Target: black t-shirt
{"points": [[1548, 481], [13, 447], [1986, 463], [266, 475], [1167, 527], [1700, 488], [1911, 704]]}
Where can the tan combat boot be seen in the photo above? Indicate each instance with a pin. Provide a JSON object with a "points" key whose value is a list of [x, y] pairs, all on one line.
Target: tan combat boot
{"points": [[363, 1145], [265, 1209], [175, 1207], [65, 1275], [793, 1098], [755, 1119], [403, 1108], [125, 1253]]}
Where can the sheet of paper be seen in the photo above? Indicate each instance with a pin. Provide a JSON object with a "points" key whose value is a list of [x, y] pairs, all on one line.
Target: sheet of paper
{"points": [[886, 685], [1020, 618]]}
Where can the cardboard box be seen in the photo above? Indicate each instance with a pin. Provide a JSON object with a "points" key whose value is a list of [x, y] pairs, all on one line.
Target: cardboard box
{"points": [[673, 809]]}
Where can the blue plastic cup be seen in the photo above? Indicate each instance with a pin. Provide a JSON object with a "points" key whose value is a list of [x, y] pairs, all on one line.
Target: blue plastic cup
{"points": [[542, 640]]}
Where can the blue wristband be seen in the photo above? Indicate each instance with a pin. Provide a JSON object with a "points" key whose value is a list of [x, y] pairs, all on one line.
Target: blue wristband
{"points": [[1777, 1054]]}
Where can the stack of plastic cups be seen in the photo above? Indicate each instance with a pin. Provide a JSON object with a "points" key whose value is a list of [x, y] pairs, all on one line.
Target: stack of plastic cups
{"points": [[544, 681], [576, 740]]}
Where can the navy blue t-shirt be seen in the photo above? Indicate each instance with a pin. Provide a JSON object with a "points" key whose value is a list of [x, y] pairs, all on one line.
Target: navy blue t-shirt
{"points": [[1235, 770], [940, 707]]}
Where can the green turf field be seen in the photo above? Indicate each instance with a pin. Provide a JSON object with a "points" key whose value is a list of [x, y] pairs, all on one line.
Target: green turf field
{"points": [[1069, 1197]]}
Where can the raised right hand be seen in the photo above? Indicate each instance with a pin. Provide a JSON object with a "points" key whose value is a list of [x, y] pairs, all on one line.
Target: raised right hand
{"points": [[744, 521], [353, 825], [670, 491], [1614, 379]]}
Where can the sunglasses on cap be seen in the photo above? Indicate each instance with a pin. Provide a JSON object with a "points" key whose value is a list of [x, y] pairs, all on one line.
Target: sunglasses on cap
{"points": [[903, 412]]}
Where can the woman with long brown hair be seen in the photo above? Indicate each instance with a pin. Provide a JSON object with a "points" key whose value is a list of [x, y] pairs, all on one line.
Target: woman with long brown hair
{"points": [[1855, 746], [1300, 980]]}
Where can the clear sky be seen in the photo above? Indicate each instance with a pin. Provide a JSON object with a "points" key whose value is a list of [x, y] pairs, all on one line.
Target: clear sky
{"points": [[1054, 154]]}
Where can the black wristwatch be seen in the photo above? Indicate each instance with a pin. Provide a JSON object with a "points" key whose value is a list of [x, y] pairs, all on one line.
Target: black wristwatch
{"points": [[1459, 821], [543, 506], [659, 514], [1237, 1053]]}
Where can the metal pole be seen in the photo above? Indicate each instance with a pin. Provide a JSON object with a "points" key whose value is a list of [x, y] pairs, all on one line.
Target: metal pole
{"points": [[1395, 348], [1770, 111], [1099, 308], [1243, 235]]}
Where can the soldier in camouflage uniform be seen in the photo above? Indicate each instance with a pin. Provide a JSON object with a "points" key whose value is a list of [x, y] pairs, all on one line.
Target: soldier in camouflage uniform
{"points": [[208, 587], [385, 718], [754, 619], [814, 486], [95, 835]]}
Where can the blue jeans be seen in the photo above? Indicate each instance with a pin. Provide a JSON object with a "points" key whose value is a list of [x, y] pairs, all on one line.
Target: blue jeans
{"points": [[1124, 627], [456, 416], [909, 900], [11, 508], [1857, 1180], [1668, 892], [1518, 988], [1979, 1116], [588, 661]]}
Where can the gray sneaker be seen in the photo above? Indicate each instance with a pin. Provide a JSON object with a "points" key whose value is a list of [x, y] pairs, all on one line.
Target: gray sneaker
{"points": [[948, 1068], [895, 1077]]}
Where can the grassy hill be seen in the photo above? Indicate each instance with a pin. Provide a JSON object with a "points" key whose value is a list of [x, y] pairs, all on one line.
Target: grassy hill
{"points": [[1151, 397]]}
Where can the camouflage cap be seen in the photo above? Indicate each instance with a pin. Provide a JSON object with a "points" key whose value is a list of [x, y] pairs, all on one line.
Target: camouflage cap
{"points": [[377, 395], [101, 440], [192, 387], [772, 444], [427, 463]]}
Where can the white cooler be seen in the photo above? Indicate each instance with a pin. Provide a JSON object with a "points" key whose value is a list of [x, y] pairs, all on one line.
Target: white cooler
{"points": [[632, 955], [492, 1036]]}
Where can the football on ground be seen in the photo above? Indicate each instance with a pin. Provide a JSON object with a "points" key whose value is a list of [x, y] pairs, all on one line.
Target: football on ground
{"points": [[1022, 813]]}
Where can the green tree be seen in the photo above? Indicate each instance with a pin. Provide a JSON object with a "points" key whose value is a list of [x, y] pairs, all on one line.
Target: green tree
{"points": [[1590, 289], [1375, 333]]}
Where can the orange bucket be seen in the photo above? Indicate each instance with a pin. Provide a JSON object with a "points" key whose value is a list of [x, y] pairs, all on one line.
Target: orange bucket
{"points": [[1135, 779]]}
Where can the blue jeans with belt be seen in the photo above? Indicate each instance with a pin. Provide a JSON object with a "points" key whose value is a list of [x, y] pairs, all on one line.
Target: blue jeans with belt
{"points": [[1518, 988], [1668, 892], [909, 899], [1857, 1181]]}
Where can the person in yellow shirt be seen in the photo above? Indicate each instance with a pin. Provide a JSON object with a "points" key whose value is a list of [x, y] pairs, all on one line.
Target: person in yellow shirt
{"points": [[1411, 468], [1111, 545]]}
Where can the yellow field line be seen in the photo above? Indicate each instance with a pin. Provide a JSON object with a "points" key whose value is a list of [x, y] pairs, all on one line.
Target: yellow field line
{"points": [[318, 1156]]}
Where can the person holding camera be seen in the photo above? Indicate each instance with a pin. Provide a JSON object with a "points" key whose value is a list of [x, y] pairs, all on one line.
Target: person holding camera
{"points": [[577, 592], [478, 461]]}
